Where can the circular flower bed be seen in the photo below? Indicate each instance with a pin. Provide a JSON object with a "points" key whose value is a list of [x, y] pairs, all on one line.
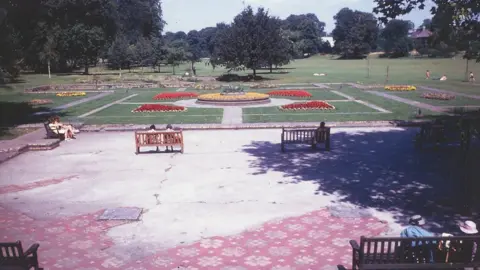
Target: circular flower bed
{"points": [[290, 93], [249, 96], [176, 95], [400, 88], [40, 101], [159, 108], [310, 105], [439, 96], [71, 94]]}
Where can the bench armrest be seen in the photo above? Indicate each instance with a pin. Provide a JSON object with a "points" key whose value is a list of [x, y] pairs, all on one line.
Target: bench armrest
{"points": [[32, 250], [354, 245]]}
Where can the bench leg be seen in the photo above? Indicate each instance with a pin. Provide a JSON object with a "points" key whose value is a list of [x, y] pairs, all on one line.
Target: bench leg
{"points": [[158, 149], [138, 151], [283, 147]]}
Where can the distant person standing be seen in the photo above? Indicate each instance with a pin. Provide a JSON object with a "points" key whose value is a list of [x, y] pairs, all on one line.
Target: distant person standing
{"points": [[471, 77], [427, 74]]}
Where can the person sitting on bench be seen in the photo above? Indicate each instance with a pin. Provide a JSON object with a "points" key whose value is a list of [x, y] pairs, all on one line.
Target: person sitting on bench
{"points": [[169, 129], [57, 127], [415, 229]]}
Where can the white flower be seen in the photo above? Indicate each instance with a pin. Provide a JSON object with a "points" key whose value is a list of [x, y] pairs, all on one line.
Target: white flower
{"points": [[304, 260], [233, 252], [187, 252], [257, 260], [299, 242], [318, 234], [210, 261], [279, 251], [276, 235], [211, 243]]}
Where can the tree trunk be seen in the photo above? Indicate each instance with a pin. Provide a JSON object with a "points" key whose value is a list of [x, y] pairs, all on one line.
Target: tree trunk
{"points": [[173, 66], [466, 71], [271, 68], [120, 74], [49, 74], [86, 67], [254, 74]]}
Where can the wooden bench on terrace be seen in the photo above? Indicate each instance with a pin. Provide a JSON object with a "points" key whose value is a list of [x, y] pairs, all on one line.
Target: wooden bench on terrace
{"points": [[306, 136], [53, 134], [158, 139], [12, 257], [413, 253]]}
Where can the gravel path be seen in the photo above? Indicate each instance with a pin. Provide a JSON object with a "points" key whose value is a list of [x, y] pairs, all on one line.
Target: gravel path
{"points": [[232, 115]]}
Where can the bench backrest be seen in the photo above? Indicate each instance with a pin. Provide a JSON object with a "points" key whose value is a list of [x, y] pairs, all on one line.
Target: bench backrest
{"points": [[298, 135], [323, 134], [11, 253], [398, 250], [49, 130], [159, 137]]}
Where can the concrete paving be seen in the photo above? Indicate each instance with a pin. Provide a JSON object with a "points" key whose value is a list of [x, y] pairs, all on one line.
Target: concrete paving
{"points": [[225, 183]]}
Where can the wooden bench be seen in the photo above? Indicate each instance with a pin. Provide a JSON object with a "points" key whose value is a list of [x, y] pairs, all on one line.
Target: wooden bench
{"points": [[306, 136], [158, 139], [412, 253], [53, 134], [12, 257]]}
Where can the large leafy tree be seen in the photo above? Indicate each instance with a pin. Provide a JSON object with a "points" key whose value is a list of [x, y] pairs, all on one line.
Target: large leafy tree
{"points": [[176, 52], [306, 31], [456, 16], [279, 51], [245, 43], [140, 19], [396, 40], [195, 42], [355, 33]]}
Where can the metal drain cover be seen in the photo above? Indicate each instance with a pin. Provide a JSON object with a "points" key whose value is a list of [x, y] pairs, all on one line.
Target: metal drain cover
{"points": [[121, 213]]}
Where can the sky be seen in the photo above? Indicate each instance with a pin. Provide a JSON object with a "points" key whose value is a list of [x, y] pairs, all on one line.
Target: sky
{"points": [[186, 15]]}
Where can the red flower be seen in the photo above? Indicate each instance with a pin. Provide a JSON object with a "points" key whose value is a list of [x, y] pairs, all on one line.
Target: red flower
{"points": [[175, 95], [159, 108], [311, 105], [290, 93]]}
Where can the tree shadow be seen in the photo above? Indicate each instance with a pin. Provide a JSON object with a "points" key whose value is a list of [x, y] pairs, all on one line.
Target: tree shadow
{"points": [[238, 78], [274, 72], [381, 170]]}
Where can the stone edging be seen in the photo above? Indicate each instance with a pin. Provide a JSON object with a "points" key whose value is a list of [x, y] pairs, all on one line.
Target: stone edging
{"points": [[14, 152], [102, 128]]}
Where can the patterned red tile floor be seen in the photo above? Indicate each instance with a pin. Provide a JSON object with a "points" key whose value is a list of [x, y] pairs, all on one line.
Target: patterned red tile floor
{"points": [[315, 240]]}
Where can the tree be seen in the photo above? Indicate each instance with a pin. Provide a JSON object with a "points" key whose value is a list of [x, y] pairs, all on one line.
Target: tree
{"points": [[159, 52], [195, 42], [461, 15], [245, 43], [306, 31], [355, 33], [395, 35], [473, 52], [120, 54], [9, 49], [176, 52], [278, 53], [144, 52]]}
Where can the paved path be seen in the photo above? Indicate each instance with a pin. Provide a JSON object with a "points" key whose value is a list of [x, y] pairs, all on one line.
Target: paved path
{"points": [[321, 85], [181, 89], [449, 92], [83, 100], [106, 106], [232, 115], [343, 95], [408, 101], [365, 103]]}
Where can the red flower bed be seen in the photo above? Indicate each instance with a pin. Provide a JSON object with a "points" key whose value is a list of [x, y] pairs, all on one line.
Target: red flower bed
{"points": [[311, 105], [176, 95], [290, 93], [159, 108]]}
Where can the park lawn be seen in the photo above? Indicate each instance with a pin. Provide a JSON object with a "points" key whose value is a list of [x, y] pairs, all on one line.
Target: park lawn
{"points": [[317, 94], [26, 97], [122, 114], [343, 110], [146, 96], [417, 96], [73, 112]]}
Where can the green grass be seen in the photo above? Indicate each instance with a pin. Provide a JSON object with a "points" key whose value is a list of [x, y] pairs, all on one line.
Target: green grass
{"points": [[56, 101], [122, 114], [75, 111], [417, 96]]}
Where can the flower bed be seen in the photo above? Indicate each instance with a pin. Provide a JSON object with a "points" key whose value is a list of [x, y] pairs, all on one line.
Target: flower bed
{"points": [[400, 88], [176, 95], [40, 101], [263, 85], [71, 94], [159, 108], [439, 96], [243, 97], [310, 105], [290, 93]]}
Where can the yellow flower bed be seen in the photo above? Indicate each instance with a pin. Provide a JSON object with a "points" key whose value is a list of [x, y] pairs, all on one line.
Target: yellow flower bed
{"points": [[71, 94], [400, 88], [246, 96]]}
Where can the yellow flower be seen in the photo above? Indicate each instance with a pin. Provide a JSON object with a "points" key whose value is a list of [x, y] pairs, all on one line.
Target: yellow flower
{"points": [[400, 88], [220, 97], [71, 94]]}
